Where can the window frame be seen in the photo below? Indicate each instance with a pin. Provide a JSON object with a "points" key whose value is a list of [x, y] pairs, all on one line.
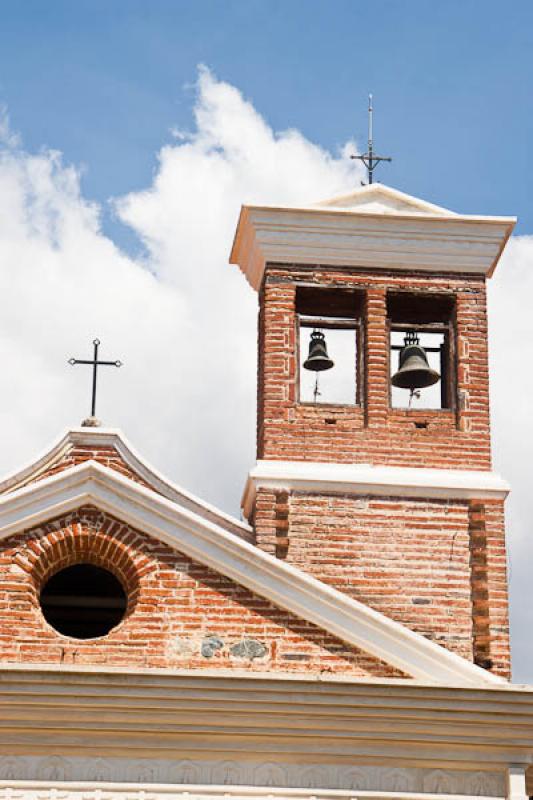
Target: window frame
{"points": [[448, 365], [354, 324]]}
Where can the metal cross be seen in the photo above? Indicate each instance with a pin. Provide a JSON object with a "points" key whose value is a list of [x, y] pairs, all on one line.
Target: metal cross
{"points": [[369, 159], [95, 364]]}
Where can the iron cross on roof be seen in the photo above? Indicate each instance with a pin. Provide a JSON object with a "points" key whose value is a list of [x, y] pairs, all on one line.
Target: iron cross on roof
{"points": [[92, 421], [369, 159]]}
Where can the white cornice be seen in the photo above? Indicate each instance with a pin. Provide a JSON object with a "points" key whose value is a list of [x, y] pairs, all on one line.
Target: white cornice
{"points": [[113, 437], [365, 479], [211, 544], [377, 240], [156, 715]]}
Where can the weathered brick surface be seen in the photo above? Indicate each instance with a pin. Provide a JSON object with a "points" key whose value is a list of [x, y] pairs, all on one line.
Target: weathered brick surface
{"points": [[419, 562], [489, 586], [437, 567], [177, 609], [374, 432]]}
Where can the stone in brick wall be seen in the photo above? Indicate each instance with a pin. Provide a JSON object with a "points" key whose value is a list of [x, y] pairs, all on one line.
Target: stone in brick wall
{"points": [[180, 613]]}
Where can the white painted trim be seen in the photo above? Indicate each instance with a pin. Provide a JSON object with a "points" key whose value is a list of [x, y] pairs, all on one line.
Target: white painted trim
{"points": [[125, 715], [255, 775], [211, 544], [366, 479], [242, 674], [72, 790], [113, 437], [516, 782], [427, 242], [379, 191]]}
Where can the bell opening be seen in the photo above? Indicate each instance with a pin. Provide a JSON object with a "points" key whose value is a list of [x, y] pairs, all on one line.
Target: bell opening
{"points": [[336, 315], [337, 384], [419, 360]]}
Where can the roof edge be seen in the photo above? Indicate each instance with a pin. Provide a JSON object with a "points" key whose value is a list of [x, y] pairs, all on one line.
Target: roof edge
{"points": [[211, 544], [268, 234], [383, 189], [315, 210], [153, 477]]}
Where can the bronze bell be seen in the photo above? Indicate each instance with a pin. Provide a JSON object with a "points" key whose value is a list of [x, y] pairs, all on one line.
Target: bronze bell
{"points": [[414, 371], [318, 359]]}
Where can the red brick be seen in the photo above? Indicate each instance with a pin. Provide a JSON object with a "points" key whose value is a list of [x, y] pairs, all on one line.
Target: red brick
{"points": [[164, 625], [393, 554]]}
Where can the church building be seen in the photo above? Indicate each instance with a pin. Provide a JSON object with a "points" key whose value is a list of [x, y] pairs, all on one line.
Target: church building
{"points": [[348, 640]]}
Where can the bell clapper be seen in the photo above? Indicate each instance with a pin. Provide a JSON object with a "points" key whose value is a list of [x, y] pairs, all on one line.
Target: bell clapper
{"points": [[414, 393], [316, 390]]}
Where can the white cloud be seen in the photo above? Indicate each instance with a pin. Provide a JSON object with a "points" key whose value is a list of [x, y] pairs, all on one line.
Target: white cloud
{"points": [[182, 320], [511, 350]]}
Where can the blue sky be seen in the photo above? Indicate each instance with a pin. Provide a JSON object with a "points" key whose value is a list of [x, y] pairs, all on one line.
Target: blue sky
{"points": [[105, 81]]}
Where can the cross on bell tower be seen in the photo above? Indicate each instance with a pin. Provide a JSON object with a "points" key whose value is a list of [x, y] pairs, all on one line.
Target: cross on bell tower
{"points": [[92, 421], [370, 160]]}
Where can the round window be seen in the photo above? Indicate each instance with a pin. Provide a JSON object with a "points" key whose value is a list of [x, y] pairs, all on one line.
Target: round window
{"points": [[83, 601]]}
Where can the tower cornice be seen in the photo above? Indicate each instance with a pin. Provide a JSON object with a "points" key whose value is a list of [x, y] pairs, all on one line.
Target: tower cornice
{"points": [[373, 228]]}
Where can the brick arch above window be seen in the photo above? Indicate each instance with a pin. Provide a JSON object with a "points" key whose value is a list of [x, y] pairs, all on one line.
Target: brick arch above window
{"points": [[184, 615], [86, 536]]}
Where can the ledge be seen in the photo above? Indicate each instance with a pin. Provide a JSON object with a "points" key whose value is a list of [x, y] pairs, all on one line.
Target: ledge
{"points": [[77, 712], [409, 242], [365, 479]]}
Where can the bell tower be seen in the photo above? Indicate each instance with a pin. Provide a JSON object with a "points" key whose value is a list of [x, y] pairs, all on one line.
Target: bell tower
{"points": [[373, 431]]}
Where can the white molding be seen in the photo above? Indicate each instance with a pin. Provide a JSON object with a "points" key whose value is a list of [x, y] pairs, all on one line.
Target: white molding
{"points": [[82, 713], [113, 437], [209, 543], [366, 479], [516, 782], [387, 199], [66, 790], [417, 240], [295, 777]]}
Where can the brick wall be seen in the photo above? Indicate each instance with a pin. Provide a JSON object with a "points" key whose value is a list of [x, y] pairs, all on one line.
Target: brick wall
{"points": [[436, 566], [374, 432], [490, 602], [179, 614]]}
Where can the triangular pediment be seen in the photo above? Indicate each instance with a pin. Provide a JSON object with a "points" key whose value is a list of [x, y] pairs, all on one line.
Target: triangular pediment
{"points": [[209, 543], [110, 448], [380, 199], [199, 617]]}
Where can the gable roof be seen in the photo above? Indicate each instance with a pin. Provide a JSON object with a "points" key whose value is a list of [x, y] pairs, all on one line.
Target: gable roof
{"points": [[110, 447], [381, 199], [204, 539]]}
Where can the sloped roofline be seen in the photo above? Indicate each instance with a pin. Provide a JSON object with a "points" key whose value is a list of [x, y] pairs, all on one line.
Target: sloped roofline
{"points": [[388, 191], [113, 437], [213, 545]]}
